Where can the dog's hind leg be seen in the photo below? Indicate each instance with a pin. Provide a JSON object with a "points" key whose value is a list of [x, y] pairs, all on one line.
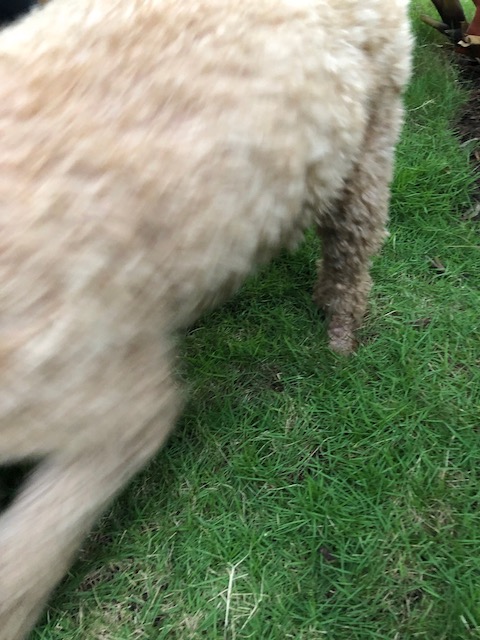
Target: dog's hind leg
{"points": [[355, 227]]}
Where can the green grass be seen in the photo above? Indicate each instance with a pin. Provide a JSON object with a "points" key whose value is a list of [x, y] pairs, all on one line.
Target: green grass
{"points": [[303, 495]]}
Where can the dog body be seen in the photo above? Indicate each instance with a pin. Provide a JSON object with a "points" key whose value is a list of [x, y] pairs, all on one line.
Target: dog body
{"points": [[153, 153]]}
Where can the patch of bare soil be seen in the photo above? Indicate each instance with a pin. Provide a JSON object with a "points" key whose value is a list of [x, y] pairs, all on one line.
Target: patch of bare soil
{"points": [[468, 128]]}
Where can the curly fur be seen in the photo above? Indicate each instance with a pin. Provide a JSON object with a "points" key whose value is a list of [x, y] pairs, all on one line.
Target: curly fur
{"points": [[152, 153]]}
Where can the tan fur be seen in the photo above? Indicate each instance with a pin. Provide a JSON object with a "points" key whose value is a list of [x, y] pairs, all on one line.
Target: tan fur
{"points": [[153, 152]]}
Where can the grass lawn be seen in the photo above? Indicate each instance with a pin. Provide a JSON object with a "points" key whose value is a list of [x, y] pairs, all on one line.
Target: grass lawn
{"points": [[304, 495]]}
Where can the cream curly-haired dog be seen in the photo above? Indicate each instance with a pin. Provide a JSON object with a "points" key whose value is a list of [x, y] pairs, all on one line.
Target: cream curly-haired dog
{"points": [[153, 152]]}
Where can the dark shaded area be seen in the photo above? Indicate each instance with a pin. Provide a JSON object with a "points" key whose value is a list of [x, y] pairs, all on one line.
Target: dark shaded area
{"points": [[468, 128], [12, 477], [12, 9], [470, 114]]}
